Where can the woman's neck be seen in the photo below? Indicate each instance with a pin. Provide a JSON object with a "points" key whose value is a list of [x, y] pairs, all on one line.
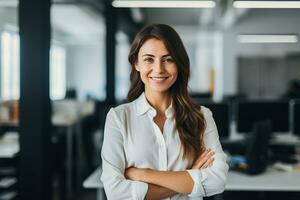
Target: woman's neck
{"points": [[159, 101]]}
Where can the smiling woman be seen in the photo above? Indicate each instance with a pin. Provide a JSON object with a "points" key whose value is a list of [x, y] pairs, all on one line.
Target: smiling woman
{"points": [[156, 67], [161, 144]]}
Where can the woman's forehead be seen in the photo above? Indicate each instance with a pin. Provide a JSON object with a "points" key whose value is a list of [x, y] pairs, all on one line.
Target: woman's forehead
{"points": [[154, 47]]}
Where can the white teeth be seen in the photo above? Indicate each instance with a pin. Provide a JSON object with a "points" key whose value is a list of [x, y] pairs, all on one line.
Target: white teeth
{"points": [[159, 78]]}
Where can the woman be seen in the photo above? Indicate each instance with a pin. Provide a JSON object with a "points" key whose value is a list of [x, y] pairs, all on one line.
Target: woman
{"points": [[161, 144]]}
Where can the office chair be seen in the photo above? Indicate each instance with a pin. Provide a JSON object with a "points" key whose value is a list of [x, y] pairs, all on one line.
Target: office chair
{"points": [[257, 147]]}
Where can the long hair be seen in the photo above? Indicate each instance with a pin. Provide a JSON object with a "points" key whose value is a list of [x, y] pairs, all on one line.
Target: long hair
{"points": [[189, 119]]}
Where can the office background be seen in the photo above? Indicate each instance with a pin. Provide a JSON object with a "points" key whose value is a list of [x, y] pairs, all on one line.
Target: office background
{"points": [[63, 64]]}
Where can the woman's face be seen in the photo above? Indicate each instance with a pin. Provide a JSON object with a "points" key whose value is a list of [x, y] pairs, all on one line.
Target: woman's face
{"points": [[157, 68]]}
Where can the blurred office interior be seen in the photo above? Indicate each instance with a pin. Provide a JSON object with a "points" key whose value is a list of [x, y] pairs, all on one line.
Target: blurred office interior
{"points": [[63, 64]]}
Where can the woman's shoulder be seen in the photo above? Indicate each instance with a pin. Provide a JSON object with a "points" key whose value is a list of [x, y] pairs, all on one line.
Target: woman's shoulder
{"points": [[123, 110], [206, 111]]}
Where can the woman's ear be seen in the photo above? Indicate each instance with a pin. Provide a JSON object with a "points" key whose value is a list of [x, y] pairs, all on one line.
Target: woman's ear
{"points": [[137, 67]]}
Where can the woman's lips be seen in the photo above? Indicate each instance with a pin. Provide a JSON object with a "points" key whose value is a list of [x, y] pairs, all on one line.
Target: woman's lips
{"points": [[158, 78]]}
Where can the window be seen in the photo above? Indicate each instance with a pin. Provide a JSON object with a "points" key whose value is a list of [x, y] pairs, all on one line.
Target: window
{"points": [[123, 67], [10, 68], [57, 72]]}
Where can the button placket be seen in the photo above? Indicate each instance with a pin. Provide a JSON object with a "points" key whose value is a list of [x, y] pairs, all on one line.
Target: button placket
{"points": [[165, 136], [161, 142], [162, 148]]}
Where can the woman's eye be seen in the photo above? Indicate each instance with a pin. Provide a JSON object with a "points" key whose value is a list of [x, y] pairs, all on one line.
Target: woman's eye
{"points": [[148, 60], [168, 60]]}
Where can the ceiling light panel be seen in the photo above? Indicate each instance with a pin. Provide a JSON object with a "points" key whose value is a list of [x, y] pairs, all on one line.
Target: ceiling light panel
{"points": [[163, 4]]}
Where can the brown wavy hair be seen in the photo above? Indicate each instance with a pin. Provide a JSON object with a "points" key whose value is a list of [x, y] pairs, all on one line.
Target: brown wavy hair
{"points": [[189, 119]]}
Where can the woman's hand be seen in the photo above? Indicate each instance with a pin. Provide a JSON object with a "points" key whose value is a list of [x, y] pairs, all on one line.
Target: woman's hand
{"points": [[134, 174], [205, 160]]}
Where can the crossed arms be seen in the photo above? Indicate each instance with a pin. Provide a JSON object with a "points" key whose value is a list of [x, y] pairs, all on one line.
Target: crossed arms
{"points": [[163, 184]]}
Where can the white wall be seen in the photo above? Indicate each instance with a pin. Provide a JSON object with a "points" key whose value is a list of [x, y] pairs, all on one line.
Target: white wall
{"points": [[8, 16], [86, 70], [259, 21], [203, 47]]}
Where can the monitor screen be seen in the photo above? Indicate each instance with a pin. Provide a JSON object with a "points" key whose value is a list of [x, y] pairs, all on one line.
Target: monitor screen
{"points": [[221, 116], [250, 112], [296, 118]]}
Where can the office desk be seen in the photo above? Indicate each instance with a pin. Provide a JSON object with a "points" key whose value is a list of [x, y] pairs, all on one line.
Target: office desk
{"points": [[271, 180], [67, 114], [94, 182], [9, 145], [72, 127]]}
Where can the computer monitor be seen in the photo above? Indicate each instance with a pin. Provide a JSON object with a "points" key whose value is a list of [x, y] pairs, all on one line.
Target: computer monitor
{"points": [[221, 116], [250, 112], [296, 118]]}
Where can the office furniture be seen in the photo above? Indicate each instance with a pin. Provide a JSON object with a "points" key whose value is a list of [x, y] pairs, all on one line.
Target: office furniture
{"points": [[271, 180], [67, 114], [94, 182], [296, 117], [92, 125], [9, 148], [73, 129], [257, 147]]}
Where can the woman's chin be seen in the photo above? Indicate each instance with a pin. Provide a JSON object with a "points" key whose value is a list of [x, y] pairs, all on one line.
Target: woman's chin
{"points": [[159, 89]]}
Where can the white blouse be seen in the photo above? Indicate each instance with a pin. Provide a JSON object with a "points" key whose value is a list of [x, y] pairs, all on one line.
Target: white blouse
{"points": [[132, 138]]}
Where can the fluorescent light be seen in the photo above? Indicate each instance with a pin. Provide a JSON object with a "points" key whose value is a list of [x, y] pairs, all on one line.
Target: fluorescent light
{"points": [[163, 4], [9, 3], [266, 4], [267, 38]]}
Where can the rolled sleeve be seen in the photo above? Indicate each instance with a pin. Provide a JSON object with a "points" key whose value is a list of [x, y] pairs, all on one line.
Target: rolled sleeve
{"points": [[114, 164], [139, 190], [198, 189], [212, 180]]}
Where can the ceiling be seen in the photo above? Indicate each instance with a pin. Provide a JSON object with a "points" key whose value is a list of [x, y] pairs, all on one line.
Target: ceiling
{"points": [[223, 15], [82, 21], [175, 16], [76, 23]]}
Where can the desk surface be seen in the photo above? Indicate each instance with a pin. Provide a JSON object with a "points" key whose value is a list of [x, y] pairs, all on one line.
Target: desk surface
{"points": [[65, 113], [272, 180], [93, 181], [9, 145]]}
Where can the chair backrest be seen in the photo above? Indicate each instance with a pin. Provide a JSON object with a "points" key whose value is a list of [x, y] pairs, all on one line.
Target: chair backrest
{"points": [[257, 147]]}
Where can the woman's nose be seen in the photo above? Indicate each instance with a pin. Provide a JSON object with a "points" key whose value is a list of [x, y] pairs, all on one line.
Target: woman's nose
{"points": [[158, 66]]}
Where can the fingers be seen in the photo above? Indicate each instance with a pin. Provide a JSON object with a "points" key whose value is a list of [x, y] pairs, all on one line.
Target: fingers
{"points": [[208, 163], [205, 160], [201, 160]]}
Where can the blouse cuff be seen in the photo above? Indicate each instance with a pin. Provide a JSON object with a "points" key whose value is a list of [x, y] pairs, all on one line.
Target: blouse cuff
{"points": [[139, 190], [198, 190]]}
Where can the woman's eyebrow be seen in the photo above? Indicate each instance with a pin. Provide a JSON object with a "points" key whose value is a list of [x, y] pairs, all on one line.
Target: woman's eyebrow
{"points": [[148, 55], [168, 55]]}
